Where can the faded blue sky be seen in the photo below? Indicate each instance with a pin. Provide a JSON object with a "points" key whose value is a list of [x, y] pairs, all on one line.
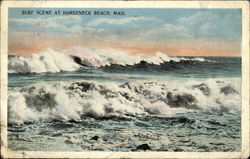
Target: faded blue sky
{"points": [[162, 28]]}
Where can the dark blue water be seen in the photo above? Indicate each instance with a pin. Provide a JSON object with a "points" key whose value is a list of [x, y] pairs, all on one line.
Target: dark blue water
{"points": [[212, 67]]}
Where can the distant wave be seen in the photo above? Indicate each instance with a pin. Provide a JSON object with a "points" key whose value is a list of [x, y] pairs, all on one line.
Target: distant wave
{"points": [[44, 102], [72, 59], [105, 57]]}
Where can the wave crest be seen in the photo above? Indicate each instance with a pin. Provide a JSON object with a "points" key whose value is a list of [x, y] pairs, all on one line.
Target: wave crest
{"points": [[48, 61], [100, 58]]}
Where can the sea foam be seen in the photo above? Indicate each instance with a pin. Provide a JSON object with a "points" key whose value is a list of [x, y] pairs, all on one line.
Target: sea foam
{"points": [[45, 102]]}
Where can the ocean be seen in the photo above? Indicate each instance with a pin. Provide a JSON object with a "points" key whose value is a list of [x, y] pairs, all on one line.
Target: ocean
{"points": [[108, 100]]}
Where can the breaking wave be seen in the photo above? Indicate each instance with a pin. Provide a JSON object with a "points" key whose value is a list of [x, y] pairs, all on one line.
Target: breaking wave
{"points": [[48, 61], [72, 59], [63, 101], [101, 58]]}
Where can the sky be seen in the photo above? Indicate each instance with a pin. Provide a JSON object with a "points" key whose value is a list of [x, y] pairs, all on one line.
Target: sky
{"points": [[176, 32]]}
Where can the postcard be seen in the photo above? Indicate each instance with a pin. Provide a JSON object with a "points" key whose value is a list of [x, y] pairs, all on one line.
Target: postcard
{"points": [[117, 79]]}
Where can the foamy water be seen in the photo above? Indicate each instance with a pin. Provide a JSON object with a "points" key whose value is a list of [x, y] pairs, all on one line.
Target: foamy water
{"points": [[70, 100]]}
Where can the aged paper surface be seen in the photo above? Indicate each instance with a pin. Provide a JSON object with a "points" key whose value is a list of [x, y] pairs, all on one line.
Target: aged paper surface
{"points": [[134, 79]]}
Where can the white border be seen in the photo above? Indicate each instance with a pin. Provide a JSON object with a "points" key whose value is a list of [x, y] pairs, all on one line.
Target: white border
{"points": [[244, 5]]}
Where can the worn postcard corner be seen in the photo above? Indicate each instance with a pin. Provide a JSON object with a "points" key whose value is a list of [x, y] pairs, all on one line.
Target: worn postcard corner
{"points": [[124, 79]]}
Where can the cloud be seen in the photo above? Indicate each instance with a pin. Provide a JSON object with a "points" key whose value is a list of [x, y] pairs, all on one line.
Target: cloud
{"points": [[120, 21], [167, 31], [78, 29], [213, 25], [171, 28], [199, 17], [57, 19], [50, 24], [176, 30]]}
